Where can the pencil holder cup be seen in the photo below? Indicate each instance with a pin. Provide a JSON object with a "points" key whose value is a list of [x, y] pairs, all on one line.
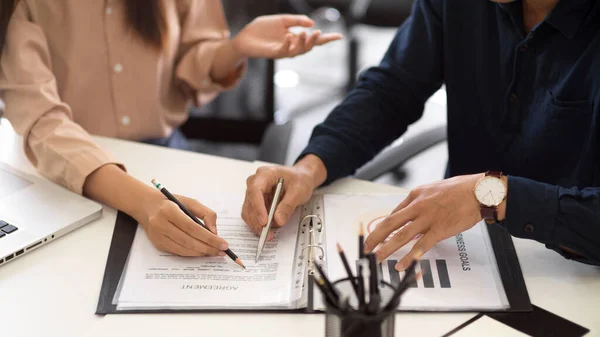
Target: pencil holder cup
{"points": [[349, 322]]}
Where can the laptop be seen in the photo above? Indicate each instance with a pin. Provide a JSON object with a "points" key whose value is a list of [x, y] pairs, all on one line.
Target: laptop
{"points": [[34, 212]]}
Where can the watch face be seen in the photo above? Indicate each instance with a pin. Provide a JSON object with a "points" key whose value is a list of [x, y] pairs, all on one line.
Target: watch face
{"points": [[490, 191]]}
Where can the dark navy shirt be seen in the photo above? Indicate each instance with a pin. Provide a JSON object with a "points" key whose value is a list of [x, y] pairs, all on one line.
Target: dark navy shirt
{"points": [[524, 103]]}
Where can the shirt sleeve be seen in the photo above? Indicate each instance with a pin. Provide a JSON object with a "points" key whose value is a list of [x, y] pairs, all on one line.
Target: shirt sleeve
{"points": [[556, 216], [386, 99], [203, 31], [59, 148]]}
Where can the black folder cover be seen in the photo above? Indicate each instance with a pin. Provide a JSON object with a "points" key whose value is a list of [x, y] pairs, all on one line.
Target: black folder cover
{"points": [[124, 233]]}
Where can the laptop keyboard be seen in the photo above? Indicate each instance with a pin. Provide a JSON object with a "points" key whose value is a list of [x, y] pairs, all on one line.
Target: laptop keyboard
{"points": [[6, 228]]}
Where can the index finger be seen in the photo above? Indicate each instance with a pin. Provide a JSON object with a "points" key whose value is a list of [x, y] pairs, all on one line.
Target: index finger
{"points": [[297, 20], [387, 226], [208, 216], [183, 222], [326, 38]]}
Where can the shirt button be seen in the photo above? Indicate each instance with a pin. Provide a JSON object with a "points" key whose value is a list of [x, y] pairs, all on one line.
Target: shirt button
{"points": [[512, 99], [108, 10], [125, 120], [118, 68], [529, 228]]}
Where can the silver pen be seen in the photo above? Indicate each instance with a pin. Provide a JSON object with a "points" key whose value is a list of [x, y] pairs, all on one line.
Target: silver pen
{"points": [[267, 228]]}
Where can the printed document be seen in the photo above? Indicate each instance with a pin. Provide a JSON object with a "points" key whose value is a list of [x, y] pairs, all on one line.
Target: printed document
{"points": [[459, 273], [154, 279]]}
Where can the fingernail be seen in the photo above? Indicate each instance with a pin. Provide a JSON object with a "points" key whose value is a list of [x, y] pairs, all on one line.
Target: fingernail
{"points": [[223, 246], [400, 266], [222, 254], [418, 254], [270, 236]]}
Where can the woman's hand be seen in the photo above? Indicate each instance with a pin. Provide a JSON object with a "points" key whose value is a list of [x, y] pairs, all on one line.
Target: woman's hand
{"points": [[169, 229], [437, 211], [269, 37], [172, 231]]}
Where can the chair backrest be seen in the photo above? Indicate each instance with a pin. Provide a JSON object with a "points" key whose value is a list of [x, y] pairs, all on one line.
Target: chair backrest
{"points": [[242, 114]]}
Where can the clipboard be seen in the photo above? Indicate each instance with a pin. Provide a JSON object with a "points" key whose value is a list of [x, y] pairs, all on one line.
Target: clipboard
{"points": [[309, 249]]}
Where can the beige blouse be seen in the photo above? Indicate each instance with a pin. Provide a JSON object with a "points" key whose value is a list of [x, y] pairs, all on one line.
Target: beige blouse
{"points": [[71, 68]]}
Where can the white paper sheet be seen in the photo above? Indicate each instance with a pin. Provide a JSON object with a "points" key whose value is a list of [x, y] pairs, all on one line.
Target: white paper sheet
{"points": [[472, 280], [158, 280]]}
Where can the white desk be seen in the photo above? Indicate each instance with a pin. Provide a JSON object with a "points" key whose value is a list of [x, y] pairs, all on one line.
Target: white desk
{"points": [[53, 291]]}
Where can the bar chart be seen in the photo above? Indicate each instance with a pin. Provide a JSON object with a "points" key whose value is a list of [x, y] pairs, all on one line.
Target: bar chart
{"points": [[435, 274]]}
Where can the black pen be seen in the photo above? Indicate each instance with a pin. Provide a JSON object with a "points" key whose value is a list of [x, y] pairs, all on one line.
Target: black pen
{"points": [[171, 197]]}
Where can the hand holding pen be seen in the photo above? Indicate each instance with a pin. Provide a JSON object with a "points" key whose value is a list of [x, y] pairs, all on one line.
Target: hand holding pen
{"points": [[300, 182], [191, 236]]}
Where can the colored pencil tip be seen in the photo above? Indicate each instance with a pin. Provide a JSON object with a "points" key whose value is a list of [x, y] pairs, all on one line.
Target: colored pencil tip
{"points": [[339, 248], [239, 263], [156, 183], [361, 229]]}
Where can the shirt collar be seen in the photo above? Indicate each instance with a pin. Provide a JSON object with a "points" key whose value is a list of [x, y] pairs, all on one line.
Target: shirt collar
{"points": [[568, 15]]}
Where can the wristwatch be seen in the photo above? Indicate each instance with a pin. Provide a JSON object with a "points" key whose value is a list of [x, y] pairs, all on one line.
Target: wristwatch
{"points": [[490, 191]]}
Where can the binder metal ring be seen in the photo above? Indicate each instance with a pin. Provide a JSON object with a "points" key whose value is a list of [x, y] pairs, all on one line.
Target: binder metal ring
{"points": [[319, 222]]}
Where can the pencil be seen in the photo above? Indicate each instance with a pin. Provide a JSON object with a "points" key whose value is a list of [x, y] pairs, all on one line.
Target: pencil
{"points": [[323, 287], [171, 197], [348, 270], [328, 283], [361, 287], [403, 286], [361, 241]]}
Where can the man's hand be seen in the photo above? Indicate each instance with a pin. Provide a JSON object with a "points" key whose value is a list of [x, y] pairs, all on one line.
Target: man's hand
{"points": [[269, 37], [299, 184], [437, 211]]}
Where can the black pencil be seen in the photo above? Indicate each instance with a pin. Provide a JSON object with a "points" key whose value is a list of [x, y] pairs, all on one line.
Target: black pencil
{"points": [[328, 295], [353, 280], [361, 286], [403, 286], [328, 283], [171, 197], [361, 241]]}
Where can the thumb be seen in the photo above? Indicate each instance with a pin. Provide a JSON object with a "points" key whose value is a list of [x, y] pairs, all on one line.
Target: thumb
{"points": [[285, 209]]}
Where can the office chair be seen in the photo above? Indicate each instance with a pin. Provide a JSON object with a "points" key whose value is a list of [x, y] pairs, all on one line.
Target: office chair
{"points": [[242, 114], [277, 139]]}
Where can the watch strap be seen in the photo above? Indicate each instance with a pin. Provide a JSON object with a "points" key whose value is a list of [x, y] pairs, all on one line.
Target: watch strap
{"points": [[493, 173], [489, 214]]}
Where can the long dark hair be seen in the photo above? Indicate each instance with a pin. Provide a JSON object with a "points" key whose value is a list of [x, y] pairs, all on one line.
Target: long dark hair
{"points": [[147, 17], [7, 7]]}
